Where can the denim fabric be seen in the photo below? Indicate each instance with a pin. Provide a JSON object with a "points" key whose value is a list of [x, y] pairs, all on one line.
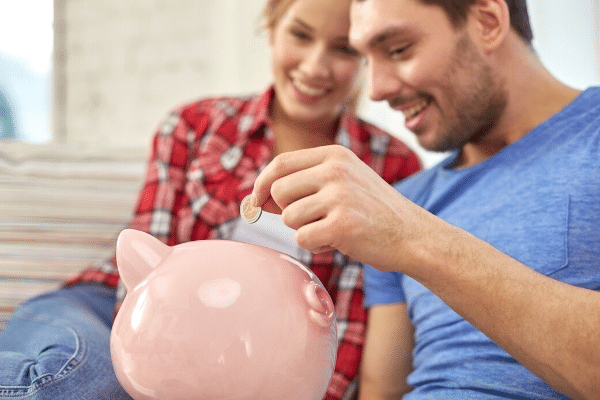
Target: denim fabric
{"points": [[56, 346]]}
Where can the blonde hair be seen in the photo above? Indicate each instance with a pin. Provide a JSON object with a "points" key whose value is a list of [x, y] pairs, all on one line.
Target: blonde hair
{"points": [[274, 11]]}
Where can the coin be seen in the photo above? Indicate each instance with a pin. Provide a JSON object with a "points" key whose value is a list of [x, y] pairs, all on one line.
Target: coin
{"points": [[248, 212]]}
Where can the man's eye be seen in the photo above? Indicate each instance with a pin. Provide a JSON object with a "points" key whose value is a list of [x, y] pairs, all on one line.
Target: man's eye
{"points": [[397, 52]]}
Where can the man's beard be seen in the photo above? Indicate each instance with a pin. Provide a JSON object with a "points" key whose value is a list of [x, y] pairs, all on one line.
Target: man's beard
{"points": [[479, 105]]}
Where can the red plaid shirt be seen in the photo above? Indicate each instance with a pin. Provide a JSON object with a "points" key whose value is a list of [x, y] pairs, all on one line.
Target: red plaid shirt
{"points": [[204, 161]]}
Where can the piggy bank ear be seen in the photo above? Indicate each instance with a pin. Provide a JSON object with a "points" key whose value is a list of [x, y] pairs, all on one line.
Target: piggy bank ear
{"points": [[138, 253]]}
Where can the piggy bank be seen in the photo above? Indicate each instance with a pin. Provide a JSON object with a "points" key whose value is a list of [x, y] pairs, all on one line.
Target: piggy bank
{"points": [[218, 319]]}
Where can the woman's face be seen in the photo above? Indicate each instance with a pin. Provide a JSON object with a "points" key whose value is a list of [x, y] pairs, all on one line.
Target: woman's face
{"points": [[315, 69]]}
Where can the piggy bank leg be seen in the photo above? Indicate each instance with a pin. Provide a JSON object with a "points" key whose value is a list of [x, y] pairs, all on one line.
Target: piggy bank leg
{"points": [[56, 346]]}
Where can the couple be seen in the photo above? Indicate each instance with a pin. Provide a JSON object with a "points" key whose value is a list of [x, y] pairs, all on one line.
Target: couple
{"points": [[483, 271]]}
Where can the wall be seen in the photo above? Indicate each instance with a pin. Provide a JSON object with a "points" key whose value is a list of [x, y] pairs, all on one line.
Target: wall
{"points": [[121, 65]]}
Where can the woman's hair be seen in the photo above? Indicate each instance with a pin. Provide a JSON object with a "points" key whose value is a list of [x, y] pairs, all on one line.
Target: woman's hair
{"points": [[457, 11], [274, 11]]}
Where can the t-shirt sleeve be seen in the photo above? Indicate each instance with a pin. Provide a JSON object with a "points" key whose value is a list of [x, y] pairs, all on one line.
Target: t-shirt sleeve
{"points": [[382, 287]]}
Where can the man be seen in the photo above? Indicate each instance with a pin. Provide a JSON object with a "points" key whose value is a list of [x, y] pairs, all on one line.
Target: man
{"points": [[489, 263]]}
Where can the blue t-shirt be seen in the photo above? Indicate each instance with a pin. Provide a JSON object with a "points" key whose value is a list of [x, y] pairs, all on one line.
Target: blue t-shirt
{"points": [[537, 200]]}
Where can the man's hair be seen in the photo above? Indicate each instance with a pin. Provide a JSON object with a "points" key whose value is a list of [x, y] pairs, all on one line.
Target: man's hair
{"points": [[457, 11]]}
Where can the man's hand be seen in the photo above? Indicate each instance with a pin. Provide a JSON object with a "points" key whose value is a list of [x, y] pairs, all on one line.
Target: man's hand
{"points": [[336, 201]]}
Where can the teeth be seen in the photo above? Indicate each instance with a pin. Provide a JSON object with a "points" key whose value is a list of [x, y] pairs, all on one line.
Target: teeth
{"points": [[415, 109], [307, 90]]}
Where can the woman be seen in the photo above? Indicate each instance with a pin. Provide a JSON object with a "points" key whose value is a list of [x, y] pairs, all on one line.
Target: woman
{"points": [[205, 158]]}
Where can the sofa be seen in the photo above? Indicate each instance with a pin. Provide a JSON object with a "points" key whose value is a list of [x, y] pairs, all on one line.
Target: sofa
{"points": [[61, 210]]}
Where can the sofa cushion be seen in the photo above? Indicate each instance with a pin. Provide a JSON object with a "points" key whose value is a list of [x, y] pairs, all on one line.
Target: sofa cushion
{"points": [[60, 211]]}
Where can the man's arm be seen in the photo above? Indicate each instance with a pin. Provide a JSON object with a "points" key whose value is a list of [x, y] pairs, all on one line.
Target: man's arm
{"points": [[334, 202], [387, 354], [550, 327]]}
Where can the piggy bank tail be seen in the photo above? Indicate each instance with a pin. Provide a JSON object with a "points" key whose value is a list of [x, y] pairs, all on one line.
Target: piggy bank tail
{"points": [[138, 253]]}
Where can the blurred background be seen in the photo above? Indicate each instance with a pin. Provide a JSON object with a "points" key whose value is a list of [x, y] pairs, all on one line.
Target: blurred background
{"points": [[97, 75]]}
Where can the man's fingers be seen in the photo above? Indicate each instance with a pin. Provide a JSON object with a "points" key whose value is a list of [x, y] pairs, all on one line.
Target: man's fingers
{"points": [[271, 207], [315, 237], [284, 165], [304, 211]]}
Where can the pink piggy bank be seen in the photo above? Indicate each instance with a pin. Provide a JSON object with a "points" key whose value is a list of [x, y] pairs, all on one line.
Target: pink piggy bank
{"points": [[217, 319]]}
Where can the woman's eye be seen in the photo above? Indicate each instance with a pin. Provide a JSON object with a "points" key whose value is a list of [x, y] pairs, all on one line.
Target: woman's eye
{"points": [[347, 49], [300, 35]]}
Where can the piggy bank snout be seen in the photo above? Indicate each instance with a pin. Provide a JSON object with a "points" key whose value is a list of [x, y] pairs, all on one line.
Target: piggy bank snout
{"points": [[321, 309]]}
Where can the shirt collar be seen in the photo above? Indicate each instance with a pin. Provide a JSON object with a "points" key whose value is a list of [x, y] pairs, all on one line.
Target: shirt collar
{"points": [[258, 107]]}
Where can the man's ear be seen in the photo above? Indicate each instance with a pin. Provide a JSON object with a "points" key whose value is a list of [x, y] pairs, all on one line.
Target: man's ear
{"points": [[492, 19]]}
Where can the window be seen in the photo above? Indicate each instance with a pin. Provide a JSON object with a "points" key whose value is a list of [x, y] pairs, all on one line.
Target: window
{"points": [[26, 42], [567, 39]]}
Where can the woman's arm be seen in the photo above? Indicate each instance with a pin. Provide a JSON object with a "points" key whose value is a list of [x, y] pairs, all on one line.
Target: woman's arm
{"points": [[387, 355]]}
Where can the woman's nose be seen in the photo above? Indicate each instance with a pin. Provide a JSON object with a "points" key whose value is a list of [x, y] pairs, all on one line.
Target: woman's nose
{"points": [[315, 64]]}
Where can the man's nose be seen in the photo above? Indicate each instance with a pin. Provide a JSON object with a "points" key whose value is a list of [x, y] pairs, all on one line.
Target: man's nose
{"points": [[384, 80]]}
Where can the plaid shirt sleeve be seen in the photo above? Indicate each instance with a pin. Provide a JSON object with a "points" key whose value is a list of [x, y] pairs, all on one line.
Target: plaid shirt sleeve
{"points": [[163, 194], [160, 198], [167, 208]]}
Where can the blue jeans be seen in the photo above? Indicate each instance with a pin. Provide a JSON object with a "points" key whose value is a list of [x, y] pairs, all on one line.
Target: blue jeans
{"points": [[56, 346]]}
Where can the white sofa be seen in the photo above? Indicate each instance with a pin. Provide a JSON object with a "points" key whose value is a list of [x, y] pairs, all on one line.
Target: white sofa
{"points": [[60, 210]]}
